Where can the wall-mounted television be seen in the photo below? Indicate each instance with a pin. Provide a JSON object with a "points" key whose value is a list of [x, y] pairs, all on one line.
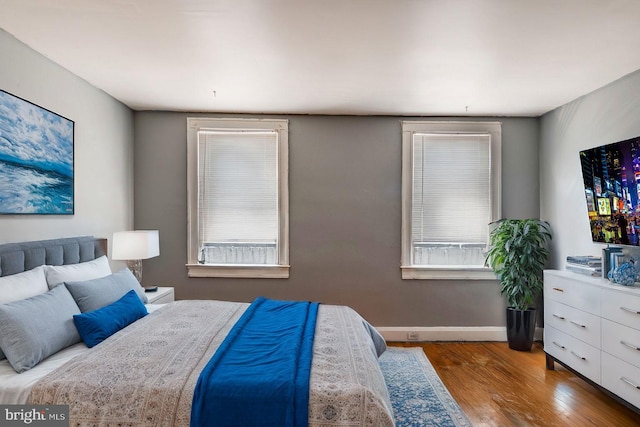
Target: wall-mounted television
{"points": [[611, 176]]}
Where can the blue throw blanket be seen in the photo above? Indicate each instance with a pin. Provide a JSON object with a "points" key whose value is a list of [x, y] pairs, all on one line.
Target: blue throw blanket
{"points": [[259, 376]]}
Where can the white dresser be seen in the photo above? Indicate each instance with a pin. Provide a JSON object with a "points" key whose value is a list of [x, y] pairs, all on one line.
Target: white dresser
{"points": [[592, 326]]}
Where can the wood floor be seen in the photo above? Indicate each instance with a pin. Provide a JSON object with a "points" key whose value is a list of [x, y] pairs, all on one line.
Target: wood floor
{"points": [[496, 386]]}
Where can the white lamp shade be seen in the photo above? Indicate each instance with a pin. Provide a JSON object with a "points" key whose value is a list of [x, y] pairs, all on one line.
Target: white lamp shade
{"points": [[138, 244]]}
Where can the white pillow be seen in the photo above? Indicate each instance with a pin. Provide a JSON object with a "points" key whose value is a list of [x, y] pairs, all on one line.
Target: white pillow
{"points": [[23, 285], [56, 274]]}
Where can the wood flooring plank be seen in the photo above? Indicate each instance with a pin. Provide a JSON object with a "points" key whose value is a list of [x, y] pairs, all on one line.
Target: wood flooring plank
{"points": [[500, 387]]}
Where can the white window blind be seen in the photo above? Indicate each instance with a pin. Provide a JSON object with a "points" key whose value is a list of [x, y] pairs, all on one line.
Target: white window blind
{"points": [[450, 194], [238, 196], [451, 188]]}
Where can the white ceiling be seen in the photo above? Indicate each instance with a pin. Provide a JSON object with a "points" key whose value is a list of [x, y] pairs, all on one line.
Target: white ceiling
{"points": [[397, 57]]}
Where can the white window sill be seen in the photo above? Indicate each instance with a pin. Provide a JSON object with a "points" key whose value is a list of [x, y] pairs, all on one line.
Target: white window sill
{"points": [[448, 273], [241, 271]]}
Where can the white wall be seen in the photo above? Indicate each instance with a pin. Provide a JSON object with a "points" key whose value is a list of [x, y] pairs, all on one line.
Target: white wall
{"points": [[103, 147], [607, 115]]}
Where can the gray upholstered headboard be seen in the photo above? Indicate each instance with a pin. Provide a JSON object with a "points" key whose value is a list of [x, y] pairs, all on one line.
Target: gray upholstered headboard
{"points": [[23, 256]]}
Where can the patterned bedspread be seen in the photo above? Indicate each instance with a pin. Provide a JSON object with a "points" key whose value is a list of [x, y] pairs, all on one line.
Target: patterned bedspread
{"points": [[145, 374]]}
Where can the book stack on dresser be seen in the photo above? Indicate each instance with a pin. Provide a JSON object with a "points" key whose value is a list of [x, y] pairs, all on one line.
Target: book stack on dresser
{"points": [[585, 264]]}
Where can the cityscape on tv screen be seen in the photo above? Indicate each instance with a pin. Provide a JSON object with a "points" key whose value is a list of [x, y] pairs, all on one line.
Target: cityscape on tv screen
{"points": [[611, 176]]}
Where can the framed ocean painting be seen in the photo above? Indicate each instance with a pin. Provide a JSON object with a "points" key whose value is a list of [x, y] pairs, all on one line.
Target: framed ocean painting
{"points": [[36, 159]]}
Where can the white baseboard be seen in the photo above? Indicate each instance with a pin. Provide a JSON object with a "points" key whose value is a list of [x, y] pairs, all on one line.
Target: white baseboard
{"points": [[448, 333]]}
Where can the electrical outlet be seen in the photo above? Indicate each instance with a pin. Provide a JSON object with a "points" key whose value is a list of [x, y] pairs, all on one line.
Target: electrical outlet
{"points": [[413, 336]]}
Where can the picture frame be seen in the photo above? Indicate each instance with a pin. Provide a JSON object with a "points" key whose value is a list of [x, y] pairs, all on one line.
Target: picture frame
{"points": [[36, 159]]}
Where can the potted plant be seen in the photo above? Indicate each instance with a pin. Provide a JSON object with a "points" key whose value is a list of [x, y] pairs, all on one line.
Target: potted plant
{"points": [[517, 254]]}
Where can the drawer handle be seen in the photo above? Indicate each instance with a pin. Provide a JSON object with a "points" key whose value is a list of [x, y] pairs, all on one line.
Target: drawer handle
{"points": [[631, 346], [578, 356], [558, 316], [631, 383], [558, 345], [558, 289], [577, 324], [630, 310]]}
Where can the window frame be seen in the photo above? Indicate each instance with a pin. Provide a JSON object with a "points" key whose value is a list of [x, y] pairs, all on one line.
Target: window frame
{"points": [[409, 128], [195, 269]]}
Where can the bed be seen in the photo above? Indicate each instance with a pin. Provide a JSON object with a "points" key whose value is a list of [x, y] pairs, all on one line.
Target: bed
{"points": [[146, 372]]}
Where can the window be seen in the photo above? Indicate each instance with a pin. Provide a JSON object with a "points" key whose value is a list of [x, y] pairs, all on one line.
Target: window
{"points": [[238, 198], [450, 194]]}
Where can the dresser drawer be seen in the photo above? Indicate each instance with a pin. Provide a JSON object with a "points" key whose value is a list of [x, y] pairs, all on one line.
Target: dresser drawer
{"points": [[621, 378], [621, 341], [577, 354], [577, 323], [577, 292], [621, 307]]}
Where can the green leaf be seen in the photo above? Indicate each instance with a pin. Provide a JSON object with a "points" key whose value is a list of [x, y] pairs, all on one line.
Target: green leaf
{"points": [[517, 254]]}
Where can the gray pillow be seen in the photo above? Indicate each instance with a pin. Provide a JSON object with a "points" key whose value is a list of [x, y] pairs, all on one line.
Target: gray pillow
{"points": [[96, 293], [35, 328]]}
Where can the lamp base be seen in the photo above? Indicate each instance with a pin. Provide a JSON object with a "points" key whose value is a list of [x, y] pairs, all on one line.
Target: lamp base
{"points": [[135, 265]]}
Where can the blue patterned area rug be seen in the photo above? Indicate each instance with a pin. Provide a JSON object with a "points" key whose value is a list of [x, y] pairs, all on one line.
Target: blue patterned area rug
{"points": [[418, 396]]}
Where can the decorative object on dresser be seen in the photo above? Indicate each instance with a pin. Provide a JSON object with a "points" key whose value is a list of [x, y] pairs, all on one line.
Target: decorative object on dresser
{"points": [[517, 254], [624, 274], [134, 246], [611, 256], [592, 327]]}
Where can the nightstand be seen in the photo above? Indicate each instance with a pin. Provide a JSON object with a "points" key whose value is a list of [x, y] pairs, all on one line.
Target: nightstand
{"points": [[162, 296]]}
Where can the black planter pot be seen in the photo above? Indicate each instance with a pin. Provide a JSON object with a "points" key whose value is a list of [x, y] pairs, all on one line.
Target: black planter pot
{"points": [[521, 325]]}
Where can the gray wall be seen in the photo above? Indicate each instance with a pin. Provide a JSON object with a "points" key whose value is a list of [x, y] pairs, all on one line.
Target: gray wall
{"points": [[345, 194], [607, 115], [103, 147]]}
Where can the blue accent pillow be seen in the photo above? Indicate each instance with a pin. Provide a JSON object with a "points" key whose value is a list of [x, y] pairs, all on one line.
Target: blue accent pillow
{"points": [[98, 325]]}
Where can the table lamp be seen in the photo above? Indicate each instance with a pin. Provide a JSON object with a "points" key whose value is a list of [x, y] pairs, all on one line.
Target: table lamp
{"points": [[133, 247]]}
